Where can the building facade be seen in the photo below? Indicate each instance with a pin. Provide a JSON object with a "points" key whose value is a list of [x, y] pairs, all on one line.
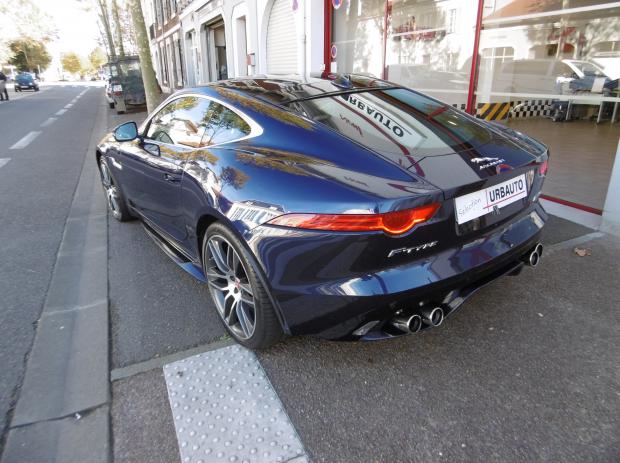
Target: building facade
{"points": [[506, 60], [195, 42]]}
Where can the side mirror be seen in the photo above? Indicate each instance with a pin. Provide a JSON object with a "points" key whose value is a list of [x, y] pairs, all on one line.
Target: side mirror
{"points": [[151, 148], [126, 132]]}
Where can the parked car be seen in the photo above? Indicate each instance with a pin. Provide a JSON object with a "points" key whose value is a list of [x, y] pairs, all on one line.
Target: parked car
{"points": [[552, 77], [26, 81], [350, 208], [124, 87]]}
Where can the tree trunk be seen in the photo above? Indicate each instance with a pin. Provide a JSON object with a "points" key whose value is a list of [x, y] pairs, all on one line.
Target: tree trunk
{"points": [[151, 88], [105, 19], [118, 29]]}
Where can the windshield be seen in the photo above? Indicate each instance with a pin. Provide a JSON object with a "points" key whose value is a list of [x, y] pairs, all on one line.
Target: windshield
{"points": [[588, 69], [130, 67]]}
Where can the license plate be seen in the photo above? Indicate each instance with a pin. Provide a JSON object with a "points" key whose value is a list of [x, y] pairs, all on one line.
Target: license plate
{"points": [[481, 202]]}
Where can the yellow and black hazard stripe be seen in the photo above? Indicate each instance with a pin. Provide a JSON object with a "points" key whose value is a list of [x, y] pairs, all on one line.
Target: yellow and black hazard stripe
{"points": [[494, 111]]}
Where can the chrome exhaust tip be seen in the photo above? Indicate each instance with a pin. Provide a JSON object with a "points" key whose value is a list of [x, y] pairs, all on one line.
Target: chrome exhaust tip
{"points": [[533, 257], [407, 323], [539, 249], [433, 316]]}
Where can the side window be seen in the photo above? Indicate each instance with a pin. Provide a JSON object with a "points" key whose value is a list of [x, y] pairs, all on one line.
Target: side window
{"points": [[224, 125], [181, 122]]}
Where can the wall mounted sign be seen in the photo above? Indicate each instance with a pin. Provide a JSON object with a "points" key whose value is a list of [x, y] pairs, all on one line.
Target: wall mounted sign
{"points": [[336, 4], [333, 51]]}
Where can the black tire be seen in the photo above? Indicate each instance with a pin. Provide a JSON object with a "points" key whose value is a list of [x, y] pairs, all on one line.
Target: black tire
{"points": [[113, 193], [36, 89], [267, 329], [111, 105], [120, 112]]}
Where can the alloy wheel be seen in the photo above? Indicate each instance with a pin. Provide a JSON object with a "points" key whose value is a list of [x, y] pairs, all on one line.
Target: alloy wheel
{"points": [[230, 287], [111, 192]]}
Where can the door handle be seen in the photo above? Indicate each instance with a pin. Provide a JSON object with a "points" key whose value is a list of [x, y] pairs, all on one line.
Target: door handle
{"points": [[171, 178]]}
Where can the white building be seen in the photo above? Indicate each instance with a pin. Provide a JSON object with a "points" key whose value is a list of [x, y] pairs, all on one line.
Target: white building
{"points": [[206, 40]]}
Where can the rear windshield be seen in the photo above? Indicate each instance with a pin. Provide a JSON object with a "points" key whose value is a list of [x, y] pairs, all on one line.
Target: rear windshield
{"points": [[397, 122]]}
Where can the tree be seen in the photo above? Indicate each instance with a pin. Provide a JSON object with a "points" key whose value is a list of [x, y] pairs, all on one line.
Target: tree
{"points": [[129, 37], [71, 62], [97, 58], [104, 18], [151, 88], [25, 21], [29, 55], [118, 28]]}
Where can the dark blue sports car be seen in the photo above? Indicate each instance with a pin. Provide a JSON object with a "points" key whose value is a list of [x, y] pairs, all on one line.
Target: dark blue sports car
{"points": [[349, 208]]}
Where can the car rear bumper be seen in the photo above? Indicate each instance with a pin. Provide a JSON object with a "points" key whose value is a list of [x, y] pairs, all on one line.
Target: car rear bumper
{"points": [[335, 308]]}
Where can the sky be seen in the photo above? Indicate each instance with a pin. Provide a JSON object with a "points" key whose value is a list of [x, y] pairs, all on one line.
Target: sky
{"points": [[77, 27], [78, 31]]}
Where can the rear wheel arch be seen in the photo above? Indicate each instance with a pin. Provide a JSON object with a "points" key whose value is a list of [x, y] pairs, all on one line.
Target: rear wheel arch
{"points": [[271, 321], [205, 221], [201, 228]]}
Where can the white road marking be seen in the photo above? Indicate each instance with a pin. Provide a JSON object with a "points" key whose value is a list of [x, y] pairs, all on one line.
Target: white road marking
{"points": [[4, 161], [49, 121], [25, 141], [225, 408], [61, 112], [69, 105]]}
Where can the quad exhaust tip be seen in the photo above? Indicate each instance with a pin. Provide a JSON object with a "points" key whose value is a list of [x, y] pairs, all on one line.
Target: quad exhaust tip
{"points": [[408, 323], [533, 257], [433, 316]]}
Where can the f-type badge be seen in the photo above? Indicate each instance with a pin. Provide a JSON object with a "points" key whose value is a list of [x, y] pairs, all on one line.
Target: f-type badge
{"points": [[421, 247]]}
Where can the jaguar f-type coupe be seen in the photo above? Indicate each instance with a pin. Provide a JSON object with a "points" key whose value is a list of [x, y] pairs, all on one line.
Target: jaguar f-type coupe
{"points": [[347, 207]]}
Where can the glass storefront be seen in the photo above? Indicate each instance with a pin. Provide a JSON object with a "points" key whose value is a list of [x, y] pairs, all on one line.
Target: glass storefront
{"points": [[357, 44], [429, 47], [563, 53], [540, 65], [425, 45]]}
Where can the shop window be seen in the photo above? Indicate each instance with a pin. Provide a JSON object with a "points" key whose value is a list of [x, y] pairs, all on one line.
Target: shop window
{"points": [[425, 50], [606, 48], [548, 55], [499, 54], [357, 37]]}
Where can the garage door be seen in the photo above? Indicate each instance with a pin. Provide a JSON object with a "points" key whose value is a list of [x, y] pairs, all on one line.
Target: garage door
{"points": [[281, 39]]}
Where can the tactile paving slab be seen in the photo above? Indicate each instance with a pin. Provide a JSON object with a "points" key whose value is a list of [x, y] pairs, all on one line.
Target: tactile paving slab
{"points": [[225, 409]]}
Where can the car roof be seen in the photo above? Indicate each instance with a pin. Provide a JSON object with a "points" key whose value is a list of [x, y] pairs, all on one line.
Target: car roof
{"points": [[281, 91]]}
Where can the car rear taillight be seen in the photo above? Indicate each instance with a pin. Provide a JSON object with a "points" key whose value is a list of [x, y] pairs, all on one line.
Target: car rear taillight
{"points": [[542, 169], [117, 89], [392, 223]]}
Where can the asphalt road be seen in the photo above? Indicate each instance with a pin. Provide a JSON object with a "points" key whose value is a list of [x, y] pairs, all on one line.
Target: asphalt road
{"points": [[156, 308], [37, 183]]}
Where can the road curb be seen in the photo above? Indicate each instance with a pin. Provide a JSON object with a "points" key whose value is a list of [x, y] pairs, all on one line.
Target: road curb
{"points": [[62, 412]]}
